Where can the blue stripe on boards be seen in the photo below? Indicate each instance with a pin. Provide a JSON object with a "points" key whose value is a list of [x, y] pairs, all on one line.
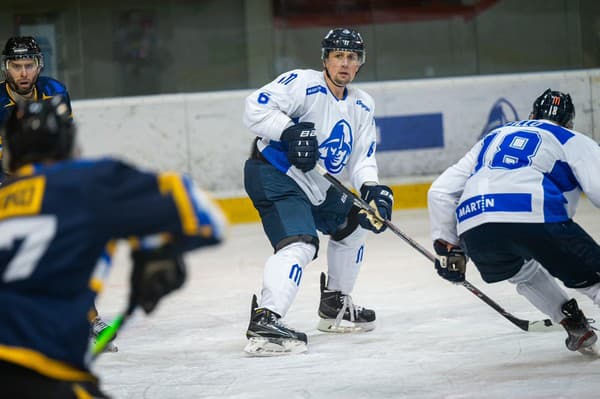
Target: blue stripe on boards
{"points": [[410, 132]]}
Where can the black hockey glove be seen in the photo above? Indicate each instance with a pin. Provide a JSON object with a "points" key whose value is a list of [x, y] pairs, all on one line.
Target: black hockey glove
{"points": [[450, 264], [302, 147], [381, 199], [156, 273]]}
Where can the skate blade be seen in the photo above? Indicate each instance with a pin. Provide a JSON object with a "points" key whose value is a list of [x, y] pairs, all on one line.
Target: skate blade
{"points": [[329, 325], [592, 350], [259, 346], [110, 348]]}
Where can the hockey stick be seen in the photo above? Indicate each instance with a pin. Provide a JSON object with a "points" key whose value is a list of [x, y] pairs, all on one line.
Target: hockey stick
{"points": [[110, 332], [525, 325]]}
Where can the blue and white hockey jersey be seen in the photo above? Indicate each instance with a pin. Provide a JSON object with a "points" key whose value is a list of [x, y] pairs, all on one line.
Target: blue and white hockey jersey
{"points": [[56, 222], [345, 128], [523, 172]]}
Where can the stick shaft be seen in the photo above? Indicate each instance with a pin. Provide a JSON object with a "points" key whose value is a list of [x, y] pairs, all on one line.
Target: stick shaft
{"points": [[359, 202]]}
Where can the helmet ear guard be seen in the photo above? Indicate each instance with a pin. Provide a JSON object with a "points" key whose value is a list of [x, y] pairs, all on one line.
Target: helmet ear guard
{"points": [[343, 39], [554, 106]]}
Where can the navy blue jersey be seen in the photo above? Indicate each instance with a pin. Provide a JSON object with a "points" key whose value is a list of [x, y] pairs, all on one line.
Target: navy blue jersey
{"points": [[56, 223], [44, 89]]}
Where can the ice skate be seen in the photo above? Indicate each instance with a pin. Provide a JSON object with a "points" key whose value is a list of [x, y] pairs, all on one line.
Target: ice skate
{"points": [[268, 336], [98, 325], [581, 336], [339, 314]]}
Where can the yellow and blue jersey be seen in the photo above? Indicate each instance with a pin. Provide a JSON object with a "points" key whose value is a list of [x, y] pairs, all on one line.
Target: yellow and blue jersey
{"points": [[58, 224], [43, 89]]}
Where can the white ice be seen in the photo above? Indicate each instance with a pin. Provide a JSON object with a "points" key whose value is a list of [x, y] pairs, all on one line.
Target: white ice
{"points": [[433, 339]]}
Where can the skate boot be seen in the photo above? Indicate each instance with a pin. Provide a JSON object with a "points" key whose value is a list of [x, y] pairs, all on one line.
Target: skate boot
{"points": [[581, 336], [268, 336], [339, 314], [98, 325]]}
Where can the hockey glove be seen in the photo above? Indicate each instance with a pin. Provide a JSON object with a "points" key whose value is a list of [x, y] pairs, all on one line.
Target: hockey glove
{"points": [[302, 147], [451, 263], [156, 273], [381, 199]]}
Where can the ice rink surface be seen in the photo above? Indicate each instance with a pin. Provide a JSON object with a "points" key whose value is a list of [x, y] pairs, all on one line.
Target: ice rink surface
{"points": [[433, 339]]}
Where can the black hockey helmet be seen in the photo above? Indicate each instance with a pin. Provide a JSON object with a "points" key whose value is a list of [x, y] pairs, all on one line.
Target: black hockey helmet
{"points": [[21, 47], [554, 106], [343, 39], [37, 131]]}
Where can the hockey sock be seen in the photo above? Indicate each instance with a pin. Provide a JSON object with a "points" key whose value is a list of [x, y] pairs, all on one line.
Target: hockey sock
{"points": [[541, 289], [344, 258], [282, 276]]}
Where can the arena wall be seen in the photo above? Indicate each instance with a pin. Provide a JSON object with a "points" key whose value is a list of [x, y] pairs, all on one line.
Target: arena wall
{"points": [[423, 126]]}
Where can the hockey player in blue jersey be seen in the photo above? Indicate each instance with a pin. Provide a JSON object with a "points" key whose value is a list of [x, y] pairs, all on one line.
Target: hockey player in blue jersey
{"points": [[508, 204], [302, 118], [57, 217], [21, 63]]}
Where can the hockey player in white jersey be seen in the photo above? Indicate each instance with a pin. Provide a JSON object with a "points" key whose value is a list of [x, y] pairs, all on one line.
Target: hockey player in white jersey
{"points": [[302, 118], [508, 204]]}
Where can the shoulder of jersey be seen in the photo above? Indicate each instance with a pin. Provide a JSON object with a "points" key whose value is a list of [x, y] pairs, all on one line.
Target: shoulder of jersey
{"points": [[361, 98], [4, 97], [297, 77], [97, 166], [51, 86]]}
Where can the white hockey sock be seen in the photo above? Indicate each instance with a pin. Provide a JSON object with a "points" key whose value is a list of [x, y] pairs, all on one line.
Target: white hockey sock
{"points": [[344, 258], [592, 292], [282, 276], [541, 289]]}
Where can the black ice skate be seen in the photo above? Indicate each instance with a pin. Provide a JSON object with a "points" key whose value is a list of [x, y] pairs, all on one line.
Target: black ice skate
{"points": [[268, 336], [98, 325], [581, 336], [339, 314]]}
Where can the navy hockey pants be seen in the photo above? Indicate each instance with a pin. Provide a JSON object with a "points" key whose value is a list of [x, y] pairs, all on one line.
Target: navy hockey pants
{"points": [[285, 210], [564, 249]]}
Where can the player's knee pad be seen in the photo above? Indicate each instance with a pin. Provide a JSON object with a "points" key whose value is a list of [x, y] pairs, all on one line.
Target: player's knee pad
{"points": [[354, 239], [283, 274], [348, 227], [305, 238], [536, 284], [527, 272], [299, 252]]}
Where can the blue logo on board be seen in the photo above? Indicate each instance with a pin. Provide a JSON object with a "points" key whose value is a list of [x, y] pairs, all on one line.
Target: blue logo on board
{"points": [[502, 112]]}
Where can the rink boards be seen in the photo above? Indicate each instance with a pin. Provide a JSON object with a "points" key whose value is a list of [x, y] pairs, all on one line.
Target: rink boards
{"points": [[423, 127]]}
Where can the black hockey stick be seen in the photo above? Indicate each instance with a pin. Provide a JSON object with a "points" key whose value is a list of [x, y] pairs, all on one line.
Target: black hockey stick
{"points": [[525, 325]]}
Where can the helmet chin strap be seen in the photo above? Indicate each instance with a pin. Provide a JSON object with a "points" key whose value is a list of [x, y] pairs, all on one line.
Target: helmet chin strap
{"points": [[331, 80]]}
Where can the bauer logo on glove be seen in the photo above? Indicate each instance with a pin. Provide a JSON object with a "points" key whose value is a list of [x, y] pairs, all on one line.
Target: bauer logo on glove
{"points": [[451, 262], [302, 146], [381, 199]]}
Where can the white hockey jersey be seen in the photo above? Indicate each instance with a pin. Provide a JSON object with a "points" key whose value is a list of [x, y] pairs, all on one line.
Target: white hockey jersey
{"points": [[523, 172], [345, 128]]}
